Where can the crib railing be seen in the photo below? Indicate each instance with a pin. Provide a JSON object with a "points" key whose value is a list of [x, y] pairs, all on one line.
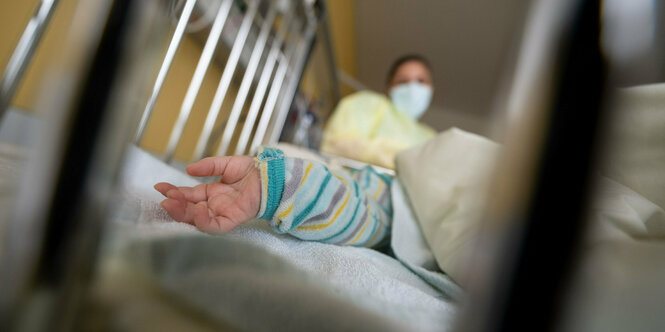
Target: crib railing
{"points": [[275, 38], [269, 50]]}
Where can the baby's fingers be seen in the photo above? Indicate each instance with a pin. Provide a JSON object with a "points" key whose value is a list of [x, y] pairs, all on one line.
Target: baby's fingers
{"points": [[164, 187], [179, 210], [195, 194], [177, 195]]}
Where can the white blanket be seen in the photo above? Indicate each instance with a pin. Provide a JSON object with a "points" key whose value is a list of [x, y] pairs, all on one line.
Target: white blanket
{"points": [[256, 279]]}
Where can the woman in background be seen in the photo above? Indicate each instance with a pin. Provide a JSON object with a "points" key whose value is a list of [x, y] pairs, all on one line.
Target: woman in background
{"points": [[369, 127]]}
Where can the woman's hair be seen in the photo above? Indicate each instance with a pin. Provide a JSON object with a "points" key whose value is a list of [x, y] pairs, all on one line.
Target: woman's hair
{"points": [[404, 59]]}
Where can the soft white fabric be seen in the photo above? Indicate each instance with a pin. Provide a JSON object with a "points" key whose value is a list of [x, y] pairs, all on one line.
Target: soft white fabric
{"points": [[407, 240], [636, 154], [619, 213], [410, 247], [257, 280], [619, 285], [446, 179]]}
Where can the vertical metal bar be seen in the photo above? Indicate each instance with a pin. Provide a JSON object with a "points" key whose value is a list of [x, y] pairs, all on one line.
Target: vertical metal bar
{"points": [[304, 46], [247, 81], [166, 65], [225, 81], [23, 53], [262, 87], [275, 90], [197, 79]]}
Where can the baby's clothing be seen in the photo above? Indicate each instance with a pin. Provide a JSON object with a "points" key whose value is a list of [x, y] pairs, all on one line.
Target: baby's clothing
{"points": [[311, 202]]}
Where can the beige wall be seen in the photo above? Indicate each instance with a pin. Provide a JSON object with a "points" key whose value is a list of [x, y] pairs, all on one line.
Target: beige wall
{"points": [[470, 44], [343, 29]]}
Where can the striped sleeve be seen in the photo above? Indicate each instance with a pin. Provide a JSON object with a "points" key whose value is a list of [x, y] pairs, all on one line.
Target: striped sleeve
{"points": [[312, 202]]}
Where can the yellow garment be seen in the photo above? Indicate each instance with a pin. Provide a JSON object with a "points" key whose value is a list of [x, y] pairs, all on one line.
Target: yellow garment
{"points": [[367, 127]]}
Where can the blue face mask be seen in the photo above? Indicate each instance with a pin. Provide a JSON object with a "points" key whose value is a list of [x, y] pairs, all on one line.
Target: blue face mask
{"points": [[411, 98]]}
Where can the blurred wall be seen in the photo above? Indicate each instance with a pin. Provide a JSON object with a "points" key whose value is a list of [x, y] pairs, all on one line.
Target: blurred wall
{"points": [[341, 14], [467, 41]]}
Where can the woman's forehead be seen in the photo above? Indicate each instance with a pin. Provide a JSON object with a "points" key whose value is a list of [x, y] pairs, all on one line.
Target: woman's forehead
{"points": [[412, 66]]}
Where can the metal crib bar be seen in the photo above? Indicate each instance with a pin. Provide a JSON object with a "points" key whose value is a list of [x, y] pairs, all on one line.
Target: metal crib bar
{"points": [[274, 93], [262, 87], [197, 79], [225, 81], [304, 46], [23, 53], [247, 80], [166, 65]]}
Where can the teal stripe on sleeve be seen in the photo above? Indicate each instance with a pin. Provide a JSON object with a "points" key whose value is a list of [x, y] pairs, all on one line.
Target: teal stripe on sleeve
{"points": [[274, 160]]}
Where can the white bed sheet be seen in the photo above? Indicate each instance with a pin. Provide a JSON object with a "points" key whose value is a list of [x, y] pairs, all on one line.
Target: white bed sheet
{"points": [[256, 279]]}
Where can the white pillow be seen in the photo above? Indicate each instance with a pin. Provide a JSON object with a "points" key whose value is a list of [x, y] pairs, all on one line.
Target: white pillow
{"points": [[446, 180]]}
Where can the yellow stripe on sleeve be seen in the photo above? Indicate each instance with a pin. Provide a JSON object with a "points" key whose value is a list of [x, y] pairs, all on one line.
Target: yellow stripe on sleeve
{"points": [[309, 168], [369, 208], [341, 208], [380, 188], [286, 212]]}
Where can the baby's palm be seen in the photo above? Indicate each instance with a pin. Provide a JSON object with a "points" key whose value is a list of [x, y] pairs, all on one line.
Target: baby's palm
{"points": [[220, 206]]}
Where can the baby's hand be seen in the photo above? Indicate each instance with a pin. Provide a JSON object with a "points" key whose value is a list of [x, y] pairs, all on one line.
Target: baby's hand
{"points": [[216, 207]]}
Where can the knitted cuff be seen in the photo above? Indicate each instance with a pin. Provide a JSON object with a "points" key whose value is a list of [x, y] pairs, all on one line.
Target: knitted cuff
{"points": [[270, 163]]}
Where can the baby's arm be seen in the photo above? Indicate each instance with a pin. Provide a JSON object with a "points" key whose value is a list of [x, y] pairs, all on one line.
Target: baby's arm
{"points": [[312, 202], [299, 197]]}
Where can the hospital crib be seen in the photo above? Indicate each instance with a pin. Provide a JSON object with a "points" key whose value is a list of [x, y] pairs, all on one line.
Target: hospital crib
{"points": [[105, 97], [263, 46]]}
